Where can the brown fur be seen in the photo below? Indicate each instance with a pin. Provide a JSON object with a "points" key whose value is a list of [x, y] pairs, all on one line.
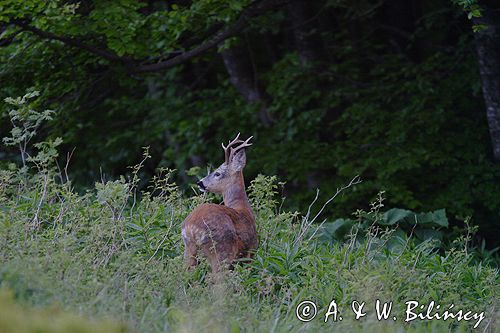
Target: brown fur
{"points": [[222, 233]]}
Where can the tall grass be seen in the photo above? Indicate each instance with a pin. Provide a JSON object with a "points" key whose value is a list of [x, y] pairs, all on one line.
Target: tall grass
{"points": [[114, 253], [107, 254]]}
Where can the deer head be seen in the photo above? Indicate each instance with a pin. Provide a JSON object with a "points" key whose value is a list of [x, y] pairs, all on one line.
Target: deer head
{"points": [[229, 172]]}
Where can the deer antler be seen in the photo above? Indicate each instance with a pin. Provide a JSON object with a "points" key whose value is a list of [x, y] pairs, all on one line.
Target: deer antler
{"points": [[229, 150], [241, 146], [229, 145]]}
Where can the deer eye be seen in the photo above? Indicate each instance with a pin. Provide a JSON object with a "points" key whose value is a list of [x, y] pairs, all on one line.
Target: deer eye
{"points": [[217, 174]]}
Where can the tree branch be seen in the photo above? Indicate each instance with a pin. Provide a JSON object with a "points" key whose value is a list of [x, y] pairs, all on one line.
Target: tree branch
{"points": [[255, 9], [106, 54], [135, 66]]}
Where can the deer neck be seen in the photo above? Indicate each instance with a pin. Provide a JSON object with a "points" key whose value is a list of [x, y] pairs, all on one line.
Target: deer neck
{"points": [[236, 198]]}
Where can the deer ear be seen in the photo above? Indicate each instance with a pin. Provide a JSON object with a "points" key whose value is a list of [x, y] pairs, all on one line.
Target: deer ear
{"points": [[239, 161]]}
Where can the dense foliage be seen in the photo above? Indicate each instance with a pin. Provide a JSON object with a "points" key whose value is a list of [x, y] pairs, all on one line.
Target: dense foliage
{"points": [[107, 254], [388, 90], [379, 104]]}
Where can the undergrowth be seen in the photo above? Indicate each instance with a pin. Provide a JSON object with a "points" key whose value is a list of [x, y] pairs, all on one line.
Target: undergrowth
{"points": [[114, 253]]}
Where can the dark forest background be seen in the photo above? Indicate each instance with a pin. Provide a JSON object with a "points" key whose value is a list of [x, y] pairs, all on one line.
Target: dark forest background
{"points": [[405, 94]]}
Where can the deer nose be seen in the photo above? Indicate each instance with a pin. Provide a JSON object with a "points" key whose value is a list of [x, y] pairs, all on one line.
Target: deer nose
{"points": [[200, 185]]}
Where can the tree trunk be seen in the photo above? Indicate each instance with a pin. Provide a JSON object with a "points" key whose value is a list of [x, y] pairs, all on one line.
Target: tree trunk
{"points": [[306, 39], [241, 74], [488, 53]]}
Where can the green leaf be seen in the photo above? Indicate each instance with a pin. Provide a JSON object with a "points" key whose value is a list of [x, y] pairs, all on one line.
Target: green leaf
{"points": [[395, 216], [428, 234], [437, 218], [397, 243], [479, 27], [336, 230]]}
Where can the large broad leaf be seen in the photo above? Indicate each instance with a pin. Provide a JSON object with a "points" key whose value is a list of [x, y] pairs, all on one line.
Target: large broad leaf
{"points": [[436, 218], [427, 234], [397, 242], [334, 231], [395, 216]]}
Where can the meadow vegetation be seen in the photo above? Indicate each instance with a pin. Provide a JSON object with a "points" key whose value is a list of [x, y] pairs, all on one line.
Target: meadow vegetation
{"points": [[114, 254]]}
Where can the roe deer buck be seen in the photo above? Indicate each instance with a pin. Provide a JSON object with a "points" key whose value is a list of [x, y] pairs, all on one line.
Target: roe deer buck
{"points": [[226, 232]]}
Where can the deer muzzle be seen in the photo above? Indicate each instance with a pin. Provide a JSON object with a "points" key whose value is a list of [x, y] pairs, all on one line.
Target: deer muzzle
{"points": [[201, 186]]}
